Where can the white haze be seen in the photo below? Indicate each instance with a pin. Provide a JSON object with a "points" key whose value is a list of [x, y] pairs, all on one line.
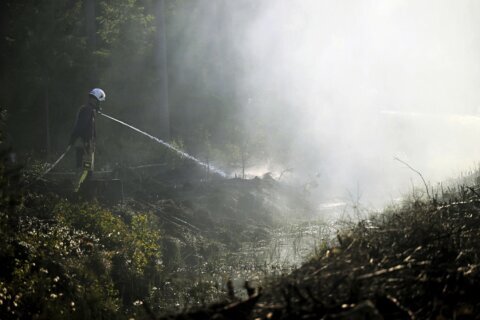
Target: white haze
{"points": [[356, 83]]}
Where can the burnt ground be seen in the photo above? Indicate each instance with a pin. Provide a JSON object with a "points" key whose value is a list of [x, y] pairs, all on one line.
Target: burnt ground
{"points": [[415, 261]]}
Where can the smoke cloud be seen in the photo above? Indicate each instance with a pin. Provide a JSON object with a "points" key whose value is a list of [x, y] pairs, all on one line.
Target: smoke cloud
{"points": [[343, 87], [328, 70]]}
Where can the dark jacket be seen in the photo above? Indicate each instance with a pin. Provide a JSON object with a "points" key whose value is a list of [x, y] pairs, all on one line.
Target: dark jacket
{"points": [[84, 125]]}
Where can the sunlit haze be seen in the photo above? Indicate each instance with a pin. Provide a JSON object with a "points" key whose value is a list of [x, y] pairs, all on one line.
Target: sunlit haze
{"points": [[346, 86]]}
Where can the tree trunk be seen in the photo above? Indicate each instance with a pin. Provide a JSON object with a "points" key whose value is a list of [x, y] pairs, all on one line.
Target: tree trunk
{"points": [[47, 71], [162, 71], [91, 31], [47, 121]]}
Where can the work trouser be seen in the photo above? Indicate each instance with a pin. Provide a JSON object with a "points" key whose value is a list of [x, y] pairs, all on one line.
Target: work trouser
{"points": [[86, 155], [85, 161]]}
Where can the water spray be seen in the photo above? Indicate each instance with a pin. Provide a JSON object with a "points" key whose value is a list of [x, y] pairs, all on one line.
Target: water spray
{"points": [[168, 145]]}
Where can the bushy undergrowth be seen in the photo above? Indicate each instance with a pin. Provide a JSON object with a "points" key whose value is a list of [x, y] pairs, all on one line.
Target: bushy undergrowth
{"points": [[82, 262], [65, 260], [68, 259]]}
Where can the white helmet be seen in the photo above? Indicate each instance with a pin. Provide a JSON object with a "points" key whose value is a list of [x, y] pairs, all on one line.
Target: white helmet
{"points": [[98, 93]]}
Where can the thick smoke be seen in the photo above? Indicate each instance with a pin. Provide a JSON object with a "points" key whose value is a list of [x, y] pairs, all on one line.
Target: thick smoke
{"points": [[343, 87], [357, 83]]}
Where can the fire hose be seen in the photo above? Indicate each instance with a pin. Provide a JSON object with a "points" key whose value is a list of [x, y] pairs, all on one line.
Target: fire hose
{"points": [[169, 146], [55, 163]]}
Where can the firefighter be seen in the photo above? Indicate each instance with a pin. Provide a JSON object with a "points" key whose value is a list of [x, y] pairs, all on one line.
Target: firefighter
{"points": [[85, 130]]}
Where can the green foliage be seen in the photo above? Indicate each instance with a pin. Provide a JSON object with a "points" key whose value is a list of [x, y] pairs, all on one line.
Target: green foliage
{"points": [[62, 260], [125, 24], [86, 262], [55, 274], [95, 220], [145, 243], [134, 247]]}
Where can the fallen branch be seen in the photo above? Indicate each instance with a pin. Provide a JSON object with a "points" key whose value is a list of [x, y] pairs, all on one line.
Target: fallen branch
{"points": [[417, 172]]}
